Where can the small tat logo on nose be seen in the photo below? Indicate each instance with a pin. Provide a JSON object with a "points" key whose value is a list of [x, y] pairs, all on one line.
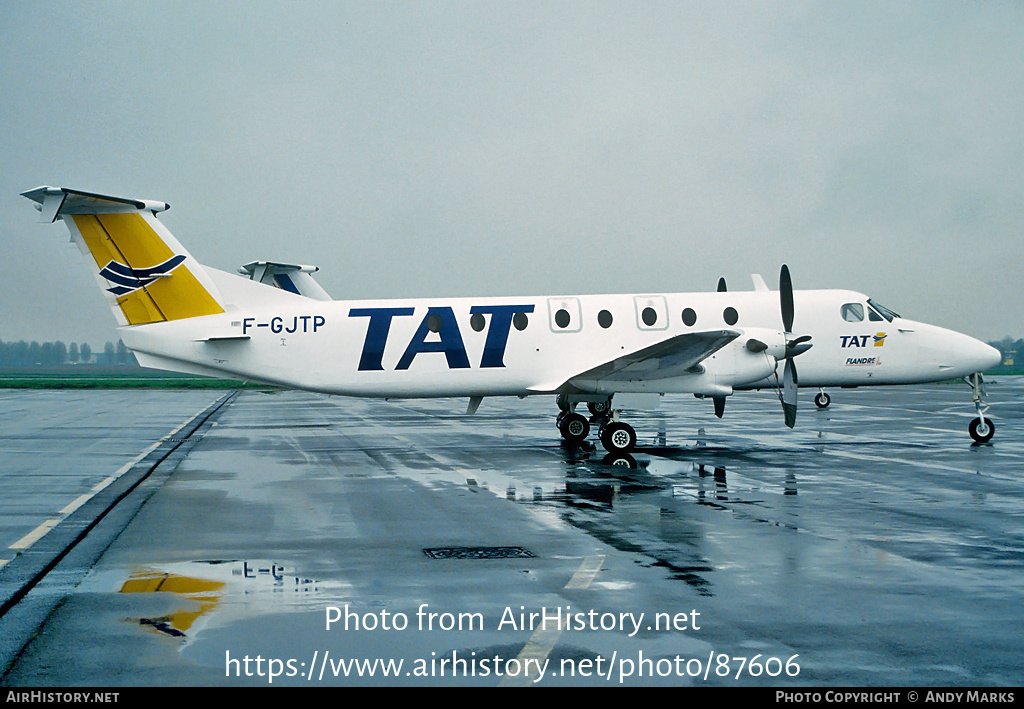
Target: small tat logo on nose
{"points": [[127, 279], [879, 339]]}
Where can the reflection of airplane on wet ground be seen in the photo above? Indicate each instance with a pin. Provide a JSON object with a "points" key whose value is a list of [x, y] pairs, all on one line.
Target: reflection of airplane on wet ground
{"points": [[612, 352]]}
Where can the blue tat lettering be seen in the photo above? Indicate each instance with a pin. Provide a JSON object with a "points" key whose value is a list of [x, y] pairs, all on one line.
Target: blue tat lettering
{"points": [[497, 333], [450, 343], [376, 333]]}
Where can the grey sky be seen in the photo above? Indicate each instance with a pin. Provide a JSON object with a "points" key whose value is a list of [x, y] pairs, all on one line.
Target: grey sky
{"points": [[437, 148]]}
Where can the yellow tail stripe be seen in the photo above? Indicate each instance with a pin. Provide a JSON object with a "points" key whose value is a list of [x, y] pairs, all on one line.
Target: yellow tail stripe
{"points": [[127, 238]]}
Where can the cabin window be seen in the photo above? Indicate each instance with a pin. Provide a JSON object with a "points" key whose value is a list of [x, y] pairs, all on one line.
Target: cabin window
{"points": [[689, 317], [434, 323], [649, 316], [604, 319], [520, 321], [731, 316], [476, 321], [562, 318], [852, 312]]}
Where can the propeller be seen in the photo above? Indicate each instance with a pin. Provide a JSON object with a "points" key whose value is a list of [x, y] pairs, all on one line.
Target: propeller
{"points": [[794, 346]]}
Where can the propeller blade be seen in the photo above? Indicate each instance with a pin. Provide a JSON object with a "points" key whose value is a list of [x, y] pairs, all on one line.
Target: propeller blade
{"points": [[789, 389], [798, 346], [786, 298], [721, 285], [719, 405], [792, 349]]}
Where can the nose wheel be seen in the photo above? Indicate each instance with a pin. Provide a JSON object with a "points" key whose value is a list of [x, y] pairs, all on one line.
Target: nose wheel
{"points": [[822, 400], [982, 429]]}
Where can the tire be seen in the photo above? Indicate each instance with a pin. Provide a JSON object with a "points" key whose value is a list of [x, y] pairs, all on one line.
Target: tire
{"points": [[822, 400], [618, 437], [599, 409], [574, 428], [982, 433]]}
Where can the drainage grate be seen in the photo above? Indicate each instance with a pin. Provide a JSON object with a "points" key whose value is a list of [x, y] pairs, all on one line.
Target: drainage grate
{"points": [[478, 553]]}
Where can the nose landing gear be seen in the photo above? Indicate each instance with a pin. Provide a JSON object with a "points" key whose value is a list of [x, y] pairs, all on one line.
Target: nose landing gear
{"points": [[981, 429]]}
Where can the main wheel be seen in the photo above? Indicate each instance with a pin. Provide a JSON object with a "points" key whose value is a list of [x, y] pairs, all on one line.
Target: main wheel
{"points": [[822, 400], [618, 437], [982, 430], [599, 408], [574, 428]]}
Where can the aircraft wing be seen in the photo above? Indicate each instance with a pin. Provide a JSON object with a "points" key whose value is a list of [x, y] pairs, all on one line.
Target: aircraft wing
{"points": [[668, 358]]}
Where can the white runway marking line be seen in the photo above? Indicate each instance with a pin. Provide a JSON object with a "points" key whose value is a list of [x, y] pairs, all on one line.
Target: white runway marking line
{"points": [[939, 430], [586, 573], [35, 535], [543, 640], [39, 532], [74, 505], [901, 461]]}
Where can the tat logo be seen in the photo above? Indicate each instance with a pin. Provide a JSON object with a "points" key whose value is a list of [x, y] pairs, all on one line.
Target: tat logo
{"points": [[128, 280], [861, 340], [447, 338]]}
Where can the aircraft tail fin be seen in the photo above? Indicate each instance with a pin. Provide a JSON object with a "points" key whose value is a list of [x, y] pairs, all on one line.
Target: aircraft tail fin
{"points": [[147, 276]]}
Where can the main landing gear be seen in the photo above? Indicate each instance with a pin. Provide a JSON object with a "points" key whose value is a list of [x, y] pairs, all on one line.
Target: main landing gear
{"points": [[616, 436], [981, 429]]}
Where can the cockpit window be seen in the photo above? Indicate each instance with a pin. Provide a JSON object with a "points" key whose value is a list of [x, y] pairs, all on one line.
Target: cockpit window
{"points": [[852, 312], [881, 310]]}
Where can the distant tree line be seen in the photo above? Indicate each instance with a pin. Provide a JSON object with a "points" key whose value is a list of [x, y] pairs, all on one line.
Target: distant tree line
{"points": [[30, 354], [1012, 349]]}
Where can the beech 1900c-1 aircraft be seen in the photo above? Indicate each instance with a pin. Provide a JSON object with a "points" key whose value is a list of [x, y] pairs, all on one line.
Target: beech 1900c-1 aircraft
{"points": [[273, 323]]}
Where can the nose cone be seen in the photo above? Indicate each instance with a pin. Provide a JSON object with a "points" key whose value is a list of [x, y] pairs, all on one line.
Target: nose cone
{"points": [[974, 355], [988, 356], [952, 354]]}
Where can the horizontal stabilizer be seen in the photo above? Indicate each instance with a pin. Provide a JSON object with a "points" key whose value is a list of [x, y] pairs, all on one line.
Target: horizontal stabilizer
{"points": [[55, 201], [290, 277]]}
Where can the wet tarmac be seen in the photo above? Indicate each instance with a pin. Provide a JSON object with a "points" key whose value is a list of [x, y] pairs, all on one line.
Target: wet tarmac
{"points": [[874, 545]]}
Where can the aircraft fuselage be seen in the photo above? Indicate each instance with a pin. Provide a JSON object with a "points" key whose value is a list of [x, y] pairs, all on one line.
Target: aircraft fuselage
{"points": [[524, 345]]}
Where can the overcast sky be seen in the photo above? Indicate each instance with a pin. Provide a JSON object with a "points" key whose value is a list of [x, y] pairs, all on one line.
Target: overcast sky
{"points": [[489, 148]]}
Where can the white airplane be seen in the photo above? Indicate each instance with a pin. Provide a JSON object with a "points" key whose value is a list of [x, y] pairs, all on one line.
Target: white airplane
{"points": [[275, 324]]}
